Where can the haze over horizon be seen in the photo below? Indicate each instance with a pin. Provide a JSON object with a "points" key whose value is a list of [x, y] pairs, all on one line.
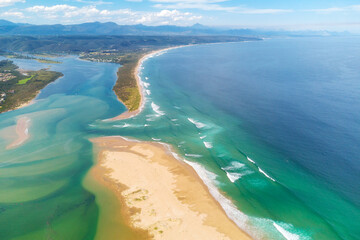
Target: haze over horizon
{"points": [[330, 15]]}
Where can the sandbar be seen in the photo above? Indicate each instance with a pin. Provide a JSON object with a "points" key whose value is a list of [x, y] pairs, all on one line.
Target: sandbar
{"points": [[161, 194], [22, 131]]}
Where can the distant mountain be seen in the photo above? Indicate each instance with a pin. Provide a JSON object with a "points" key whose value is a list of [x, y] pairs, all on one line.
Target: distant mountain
{"points": [[6, 23], [110, 28]]}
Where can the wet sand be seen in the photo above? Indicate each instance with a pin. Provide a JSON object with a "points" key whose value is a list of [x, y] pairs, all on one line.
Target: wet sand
{"points": [[22, 131]]}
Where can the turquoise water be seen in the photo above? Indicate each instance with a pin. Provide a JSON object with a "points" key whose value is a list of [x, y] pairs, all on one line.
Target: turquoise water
{"points": [[274, 125], [41, 192]]}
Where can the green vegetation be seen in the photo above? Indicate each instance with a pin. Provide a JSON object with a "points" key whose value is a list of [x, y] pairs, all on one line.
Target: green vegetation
{"points": [[24, 81], [124, 44], [17, 88], [42, 60], [126, 87]]}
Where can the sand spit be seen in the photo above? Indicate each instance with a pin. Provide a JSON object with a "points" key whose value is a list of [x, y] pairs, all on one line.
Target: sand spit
{"points": [[163, 195], [127, 114]]}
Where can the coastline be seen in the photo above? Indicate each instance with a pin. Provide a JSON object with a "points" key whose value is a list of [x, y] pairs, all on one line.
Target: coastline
{"points": [[105, 180], [136, 72], [160, 195]]}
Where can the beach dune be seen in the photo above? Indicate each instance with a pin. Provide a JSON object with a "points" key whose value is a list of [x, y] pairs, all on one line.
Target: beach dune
{"points": [[164, 195]]}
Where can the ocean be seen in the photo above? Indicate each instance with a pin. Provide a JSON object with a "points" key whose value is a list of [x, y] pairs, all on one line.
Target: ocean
{"points": [[272, 127]]}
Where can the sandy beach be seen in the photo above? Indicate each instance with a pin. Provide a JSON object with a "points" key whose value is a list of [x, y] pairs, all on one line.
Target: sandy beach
{"points": [[22, 132], [130, 114], [162, 195]]}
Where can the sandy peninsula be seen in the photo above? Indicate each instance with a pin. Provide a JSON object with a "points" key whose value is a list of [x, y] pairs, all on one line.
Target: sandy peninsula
{"points": [[136, 73], [22, 132], [161, 194]]}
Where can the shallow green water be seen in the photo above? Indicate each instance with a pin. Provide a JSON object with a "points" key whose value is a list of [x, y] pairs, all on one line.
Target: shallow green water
{"points": [[41, 192]]}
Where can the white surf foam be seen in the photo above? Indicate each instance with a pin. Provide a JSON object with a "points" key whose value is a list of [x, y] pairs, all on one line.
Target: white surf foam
{"points": [[208, 144], [209, 178], [148, 92], [122, 126], [249, 159], [156, 109], [146, 78], [266, 175], [156, 139], [174, 120], [146, 84], [193, 155], [202, 137], [240, 169], [233, 176], [288, 235], [236, 165], [196, 123]]}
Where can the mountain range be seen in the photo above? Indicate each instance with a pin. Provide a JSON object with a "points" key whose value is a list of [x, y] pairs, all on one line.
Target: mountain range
{"points": [[111, 28]]}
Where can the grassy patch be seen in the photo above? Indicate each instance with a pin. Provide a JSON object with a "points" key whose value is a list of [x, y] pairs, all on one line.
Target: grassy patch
{"points": [[47, 61], [24, 81]]}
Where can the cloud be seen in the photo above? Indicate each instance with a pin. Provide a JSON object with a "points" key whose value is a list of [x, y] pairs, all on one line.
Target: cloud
{"points": [[189, 1], [212, 5], [201, 6], [12, 14], [262, 11], [70, 14], [5, 3], [355, 8], [100, 2]]}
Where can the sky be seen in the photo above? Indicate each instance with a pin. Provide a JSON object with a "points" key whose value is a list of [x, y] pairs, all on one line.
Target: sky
{"points": [[335, 15]]}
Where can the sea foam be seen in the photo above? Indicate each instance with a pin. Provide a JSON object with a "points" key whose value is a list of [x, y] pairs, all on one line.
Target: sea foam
{"points": [[156, 109], [196, 123], [288, 235], [208, 144], [236, 170], [193, 155], [233, 176], [231, 211], [249, 159], [266, 175]]}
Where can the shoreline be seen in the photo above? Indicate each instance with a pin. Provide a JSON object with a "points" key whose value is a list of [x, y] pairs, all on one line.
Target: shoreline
{"points": [[215, 195], [136, 72], [161, 195]]}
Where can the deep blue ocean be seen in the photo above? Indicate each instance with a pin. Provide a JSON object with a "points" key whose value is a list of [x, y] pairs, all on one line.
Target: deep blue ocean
{"points": [[272, 127]]}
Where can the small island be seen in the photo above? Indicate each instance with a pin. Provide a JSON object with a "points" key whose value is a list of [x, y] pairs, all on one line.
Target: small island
{"points": [[18, 87]]}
